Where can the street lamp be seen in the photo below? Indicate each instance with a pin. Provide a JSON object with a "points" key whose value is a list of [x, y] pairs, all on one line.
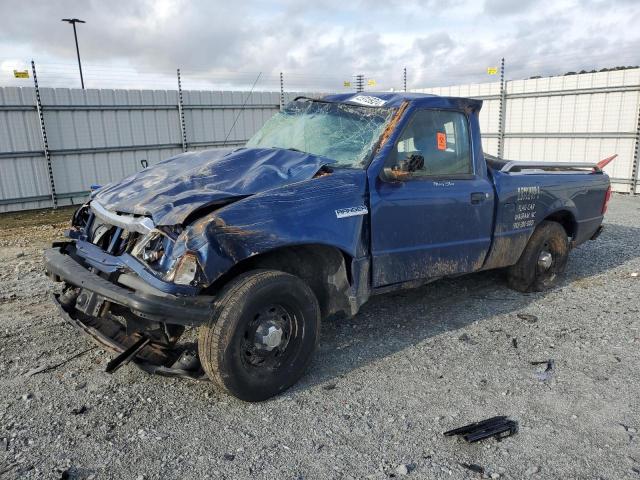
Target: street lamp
{"points": [[73, 22]]}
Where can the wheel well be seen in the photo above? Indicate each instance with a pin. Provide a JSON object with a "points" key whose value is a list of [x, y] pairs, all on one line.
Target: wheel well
{"points": [[566, 219], [325, 269]]}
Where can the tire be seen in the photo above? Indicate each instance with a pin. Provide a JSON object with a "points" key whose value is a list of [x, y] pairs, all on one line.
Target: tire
{"points": [[262, 334], [531, 273]]}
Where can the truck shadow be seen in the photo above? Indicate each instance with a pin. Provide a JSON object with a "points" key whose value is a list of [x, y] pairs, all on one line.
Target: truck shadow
{"points": [[393, 322]]}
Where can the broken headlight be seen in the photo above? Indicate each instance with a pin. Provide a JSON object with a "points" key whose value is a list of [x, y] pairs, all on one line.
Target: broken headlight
{"points": [[150, 248], [186, 270]]}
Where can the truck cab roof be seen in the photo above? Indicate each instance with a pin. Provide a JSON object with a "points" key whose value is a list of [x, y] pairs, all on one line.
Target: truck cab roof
{"points": [[396, 99]]}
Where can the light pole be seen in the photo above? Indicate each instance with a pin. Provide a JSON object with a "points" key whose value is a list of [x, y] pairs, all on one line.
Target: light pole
{"points": [[73, 22]]}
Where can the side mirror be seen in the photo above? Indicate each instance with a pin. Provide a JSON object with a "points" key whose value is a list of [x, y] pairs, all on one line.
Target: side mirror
{"points": [[413, 163], [404, 168]]}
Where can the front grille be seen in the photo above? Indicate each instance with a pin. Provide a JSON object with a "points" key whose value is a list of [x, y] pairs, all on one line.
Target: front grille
{"points": [[118, 234]]}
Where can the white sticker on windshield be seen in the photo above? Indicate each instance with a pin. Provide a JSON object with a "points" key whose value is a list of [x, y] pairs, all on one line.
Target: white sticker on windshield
{"points": [[368, 100], [351, 212]]}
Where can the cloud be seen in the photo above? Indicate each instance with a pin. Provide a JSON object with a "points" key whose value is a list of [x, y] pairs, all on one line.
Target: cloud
{"points": [[508, 7], [318, 44]]}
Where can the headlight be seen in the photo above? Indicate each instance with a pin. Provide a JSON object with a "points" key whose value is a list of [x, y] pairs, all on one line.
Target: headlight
{"points": [[186, 270], [150, 248]]}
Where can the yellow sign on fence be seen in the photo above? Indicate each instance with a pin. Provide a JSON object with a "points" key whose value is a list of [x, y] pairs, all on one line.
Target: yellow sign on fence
{"points": [[371, 82], [492, 70], [21, 73], [346, 83]]}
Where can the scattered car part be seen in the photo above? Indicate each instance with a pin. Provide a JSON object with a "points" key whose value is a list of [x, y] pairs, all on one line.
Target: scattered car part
{"points": [[499, 427]]}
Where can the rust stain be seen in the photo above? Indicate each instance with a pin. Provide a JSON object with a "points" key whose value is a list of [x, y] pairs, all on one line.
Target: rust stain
{"points": [[505, 251], [220, 225], [392, 125]]}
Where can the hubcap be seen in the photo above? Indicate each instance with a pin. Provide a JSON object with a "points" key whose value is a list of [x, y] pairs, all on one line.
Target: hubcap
{"points": [[267, 336], [545, 259]]}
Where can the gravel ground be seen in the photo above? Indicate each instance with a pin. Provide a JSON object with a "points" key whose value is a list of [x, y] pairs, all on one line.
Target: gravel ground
{"points": [[381, 390]]}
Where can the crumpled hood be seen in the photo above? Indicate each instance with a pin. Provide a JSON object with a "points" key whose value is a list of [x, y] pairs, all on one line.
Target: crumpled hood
{"points": [[172, 189]]}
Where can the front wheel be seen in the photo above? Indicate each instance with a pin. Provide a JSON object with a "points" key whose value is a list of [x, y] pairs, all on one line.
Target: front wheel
{"points": [[543, 259], [262, 335]]}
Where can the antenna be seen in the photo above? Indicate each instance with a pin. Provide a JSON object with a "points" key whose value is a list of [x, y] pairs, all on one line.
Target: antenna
{"points": [[240, 111]]}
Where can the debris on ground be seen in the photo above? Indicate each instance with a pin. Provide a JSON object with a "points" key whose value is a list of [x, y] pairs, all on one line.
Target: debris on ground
{"points": [[473, 467], [47, 368], [527, 317], [499, 427], [545, 375], [79, 410]]}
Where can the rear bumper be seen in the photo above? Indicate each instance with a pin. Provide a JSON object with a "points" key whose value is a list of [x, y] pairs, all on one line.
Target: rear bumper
{"points": [[185, 311]]}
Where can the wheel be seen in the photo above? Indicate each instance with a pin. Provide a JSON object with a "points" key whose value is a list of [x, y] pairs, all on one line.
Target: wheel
{"points": [[543, 259], [262, 334]]}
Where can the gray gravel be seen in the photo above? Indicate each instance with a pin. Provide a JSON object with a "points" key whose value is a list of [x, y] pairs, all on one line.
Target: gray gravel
{"points": [[382, 388]]}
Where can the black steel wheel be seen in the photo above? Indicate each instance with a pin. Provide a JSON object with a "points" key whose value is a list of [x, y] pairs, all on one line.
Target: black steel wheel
{"points": [[543, 259], [262, 335]]}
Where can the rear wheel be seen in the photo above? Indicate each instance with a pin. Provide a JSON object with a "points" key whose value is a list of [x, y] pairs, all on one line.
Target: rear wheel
{"points": [[262, 335], [543, 259]]}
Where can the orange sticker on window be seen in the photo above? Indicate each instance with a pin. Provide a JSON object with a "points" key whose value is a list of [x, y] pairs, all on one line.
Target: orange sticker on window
{"points": [[441, 137]]}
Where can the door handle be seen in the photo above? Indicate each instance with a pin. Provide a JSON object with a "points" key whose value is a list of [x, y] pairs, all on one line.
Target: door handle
{"points": [[478, 197]]}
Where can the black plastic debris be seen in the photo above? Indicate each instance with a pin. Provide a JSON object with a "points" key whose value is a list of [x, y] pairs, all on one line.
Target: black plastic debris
{"points": [[499, 427], [79, 410], [473, 467]]}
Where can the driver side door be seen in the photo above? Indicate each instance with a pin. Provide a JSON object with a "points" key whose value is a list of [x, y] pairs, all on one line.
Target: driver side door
{"points": [[431, 211]]}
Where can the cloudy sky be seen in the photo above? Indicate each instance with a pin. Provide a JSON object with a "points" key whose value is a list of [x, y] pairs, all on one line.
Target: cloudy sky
{"points": [[317, 44]]}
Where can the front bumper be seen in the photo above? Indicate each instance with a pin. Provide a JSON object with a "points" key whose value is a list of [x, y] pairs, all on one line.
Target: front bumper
{"points": [[95, 305], [174, 310]]}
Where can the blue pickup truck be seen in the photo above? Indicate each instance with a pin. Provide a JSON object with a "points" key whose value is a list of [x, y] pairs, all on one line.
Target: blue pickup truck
{"points": [[332, 201]]}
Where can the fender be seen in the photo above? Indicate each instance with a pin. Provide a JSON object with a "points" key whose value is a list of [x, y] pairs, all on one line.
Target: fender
{"points": [[331, 210]]}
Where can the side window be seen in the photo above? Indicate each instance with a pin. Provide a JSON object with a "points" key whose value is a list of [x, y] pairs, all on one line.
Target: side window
{"points": [[434, 143]]}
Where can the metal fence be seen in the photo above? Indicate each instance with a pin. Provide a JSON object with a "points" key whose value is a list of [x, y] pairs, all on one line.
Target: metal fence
{"points": [[99, 136], [582, 117], [52, 148]]}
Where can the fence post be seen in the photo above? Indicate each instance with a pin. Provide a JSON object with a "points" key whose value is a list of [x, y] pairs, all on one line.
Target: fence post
{"points": [[404, 78], [45, 142], [281, 91], [183, 129], [359, 83], [636, 157], [501, 114]]}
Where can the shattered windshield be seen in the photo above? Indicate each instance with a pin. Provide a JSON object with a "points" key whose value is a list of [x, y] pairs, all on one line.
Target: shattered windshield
{"points": [[344, 133]]}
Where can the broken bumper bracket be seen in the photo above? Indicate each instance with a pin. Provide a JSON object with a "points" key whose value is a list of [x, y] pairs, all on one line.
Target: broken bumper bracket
{"points": [[127, 354]]}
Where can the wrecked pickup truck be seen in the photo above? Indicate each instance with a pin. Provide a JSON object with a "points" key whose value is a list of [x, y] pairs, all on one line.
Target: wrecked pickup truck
{"points": [[330, 202]]}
